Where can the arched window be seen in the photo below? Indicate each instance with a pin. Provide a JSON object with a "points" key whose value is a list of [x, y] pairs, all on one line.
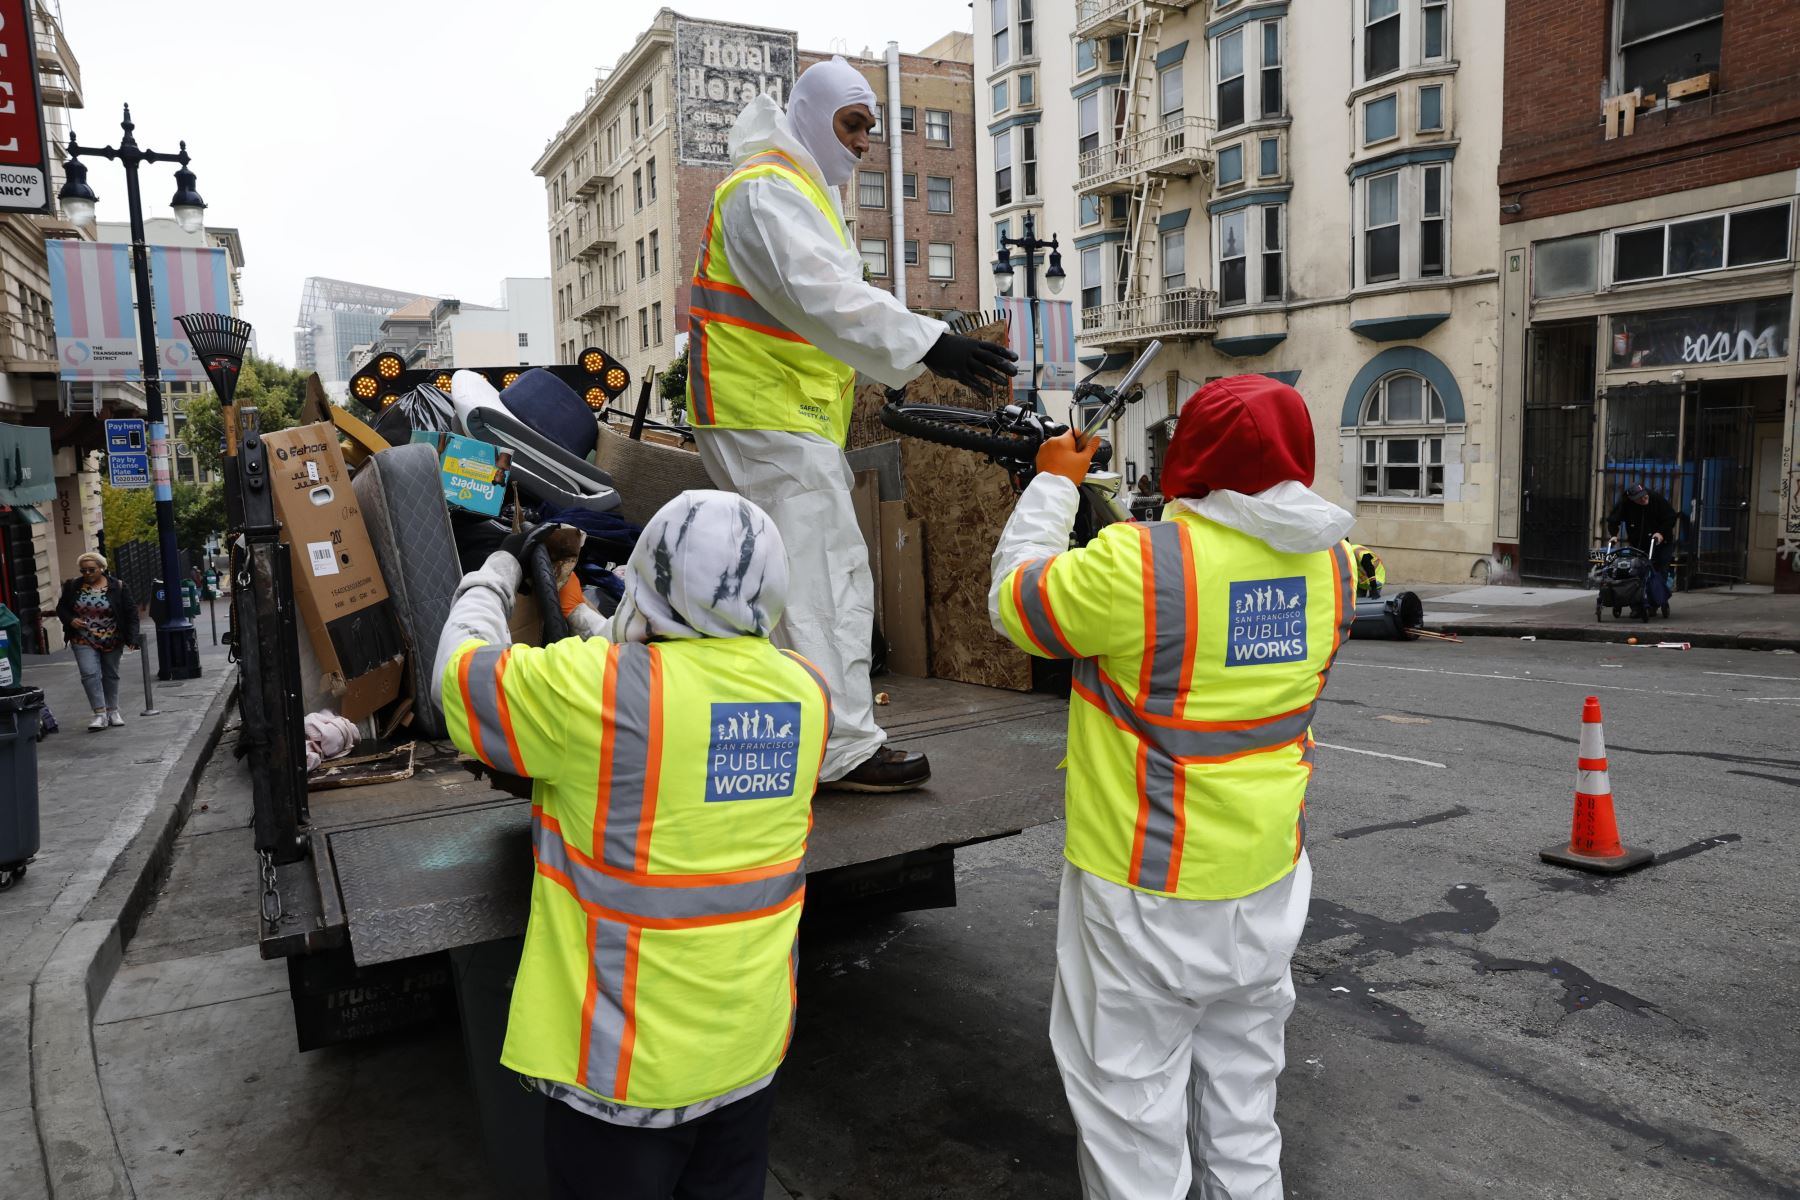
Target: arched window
{"points": [[1402, 434]]}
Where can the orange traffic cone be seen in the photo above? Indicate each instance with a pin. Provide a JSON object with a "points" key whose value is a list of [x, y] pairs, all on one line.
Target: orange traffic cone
{"points": [[1594, 834]]}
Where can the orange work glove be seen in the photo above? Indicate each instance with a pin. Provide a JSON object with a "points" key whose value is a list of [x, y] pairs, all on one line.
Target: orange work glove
{"points": [[1061, 455], [571, 596]]}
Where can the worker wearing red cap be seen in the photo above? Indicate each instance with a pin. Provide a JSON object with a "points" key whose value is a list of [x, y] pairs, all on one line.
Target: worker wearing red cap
{"points": [[1201, 643]]}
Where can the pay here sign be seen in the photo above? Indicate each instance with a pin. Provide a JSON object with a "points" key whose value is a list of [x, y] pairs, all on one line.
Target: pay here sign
{"points": [[24, 173]]}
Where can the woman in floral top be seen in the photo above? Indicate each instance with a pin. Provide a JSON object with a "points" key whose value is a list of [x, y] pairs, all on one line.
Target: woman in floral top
{"points": [[100, 619]]}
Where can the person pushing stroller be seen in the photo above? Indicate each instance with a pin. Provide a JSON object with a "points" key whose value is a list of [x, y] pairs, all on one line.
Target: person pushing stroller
{"points": [[1645, 520]]}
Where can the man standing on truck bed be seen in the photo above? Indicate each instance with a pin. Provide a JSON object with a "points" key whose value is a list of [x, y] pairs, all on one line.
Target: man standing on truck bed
{"points": [[675, 762], [1202, 644], [780, 322]]}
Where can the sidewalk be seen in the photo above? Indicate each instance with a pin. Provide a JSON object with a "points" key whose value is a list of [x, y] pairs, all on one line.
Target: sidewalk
{"points": [[1725, 618], [103, 799]]}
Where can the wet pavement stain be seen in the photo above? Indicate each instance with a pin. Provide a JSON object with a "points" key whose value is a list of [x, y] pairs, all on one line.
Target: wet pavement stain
{"points": [[1580, 990], [1414, 823], [1599, 885]]}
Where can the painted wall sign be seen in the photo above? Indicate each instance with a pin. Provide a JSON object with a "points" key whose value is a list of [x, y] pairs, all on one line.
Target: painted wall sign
{"points": [[1713, 333], [719, 69]]}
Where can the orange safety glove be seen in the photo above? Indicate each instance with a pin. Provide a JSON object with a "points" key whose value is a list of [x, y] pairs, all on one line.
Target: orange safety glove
{"points": [[1062, 455], [571, 596]]}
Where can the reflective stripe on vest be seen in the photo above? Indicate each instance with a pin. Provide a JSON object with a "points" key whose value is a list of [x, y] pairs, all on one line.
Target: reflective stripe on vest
{"points": [[747, 369], [1132, 713]]}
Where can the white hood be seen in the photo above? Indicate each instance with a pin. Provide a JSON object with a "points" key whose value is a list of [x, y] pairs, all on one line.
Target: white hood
{"points": [[761, 127], [1289, 517]]}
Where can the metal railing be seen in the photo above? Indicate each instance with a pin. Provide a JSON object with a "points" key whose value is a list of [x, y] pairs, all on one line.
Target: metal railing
{"points": [[1092, 14], [1175, 147], [1184, 312]]}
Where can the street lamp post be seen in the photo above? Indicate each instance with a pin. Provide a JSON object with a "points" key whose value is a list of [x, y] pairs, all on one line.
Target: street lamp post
{"points": [[177, 649], [1031, 244]]}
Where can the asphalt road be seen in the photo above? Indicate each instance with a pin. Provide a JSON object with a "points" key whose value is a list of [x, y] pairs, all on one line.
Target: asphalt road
{"points": [[1470, 1021]]}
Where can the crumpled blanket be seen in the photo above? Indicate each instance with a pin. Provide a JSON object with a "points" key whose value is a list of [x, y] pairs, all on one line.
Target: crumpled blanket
{"points": [[327, 736]]}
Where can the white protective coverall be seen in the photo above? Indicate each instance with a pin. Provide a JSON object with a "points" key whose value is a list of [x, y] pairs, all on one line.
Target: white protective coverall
{"points": [[1168, 1015], [794, 264]]}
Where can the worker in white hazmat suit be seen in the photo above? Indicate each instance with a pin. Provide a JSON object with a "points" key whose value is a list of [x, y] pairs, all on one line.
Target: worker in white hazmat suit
{"points": [[780, 322], [1201, 644]]}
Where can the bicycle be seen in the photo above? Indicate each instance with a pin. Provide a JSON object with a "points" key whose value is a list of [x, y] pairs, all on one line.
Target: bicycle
{"points": [[1010, 435]]}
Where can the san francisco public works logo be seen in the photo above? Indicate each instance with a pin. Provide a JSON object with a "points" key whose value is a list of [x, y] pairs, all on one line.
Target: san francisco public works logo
{"points": [[1268, 622], [754, 752]]}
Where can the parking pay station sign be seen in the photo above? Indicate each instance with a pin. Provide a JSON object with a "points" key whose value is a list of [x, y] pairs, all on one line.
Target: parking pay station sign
{"points": [[127, 454]]}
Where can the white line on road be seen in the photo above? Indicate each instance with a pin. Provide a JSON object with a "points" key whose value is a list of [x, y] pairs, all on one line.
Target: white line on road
{"points": [[1746, 675], [1592, 687], [1378, 754]]}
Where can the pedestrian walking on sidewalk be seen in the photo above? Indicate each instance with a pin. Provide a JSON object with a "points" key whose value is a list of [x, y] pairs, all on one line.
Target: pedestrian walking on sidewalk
{"points": [[1201, 646], [655, 997], [100, 622]]}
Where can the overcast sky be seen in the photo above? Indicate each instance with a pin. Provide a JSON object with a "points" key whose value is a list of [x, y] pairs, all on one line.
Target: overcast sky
{"points": [[388, 142]]}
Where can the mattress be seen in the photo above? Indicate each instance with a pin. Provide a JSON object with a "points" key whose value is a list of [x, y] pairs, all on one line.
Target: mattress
{"points": [[402, 500]]}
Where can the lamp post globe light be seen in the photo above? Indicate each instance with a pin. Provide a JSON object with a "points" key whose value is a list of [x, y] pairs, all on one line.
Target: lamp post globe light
{"points": [[1054, 275], [177, 650]]}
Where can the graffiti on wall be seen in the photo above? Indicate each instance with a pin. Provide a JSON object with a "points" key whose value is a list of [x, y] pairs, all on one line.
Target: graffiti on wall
{"points": [[1709, 333]]}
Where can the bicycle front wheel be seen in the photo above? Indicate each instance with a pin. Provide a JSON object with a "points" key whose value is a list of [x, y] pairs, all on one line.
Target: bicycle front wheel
{"points": [[962, 428]]}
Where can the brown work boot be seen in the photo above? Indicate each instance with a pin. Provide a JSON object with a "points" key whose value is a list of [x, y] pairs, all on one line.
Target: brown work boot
{"points": [[887, 770]]}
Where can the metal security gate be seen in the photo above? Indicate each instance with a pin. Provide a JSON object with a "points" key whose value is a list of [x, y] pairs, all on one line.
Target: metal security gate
{"points": [[1718, 536], [1556, 525]]}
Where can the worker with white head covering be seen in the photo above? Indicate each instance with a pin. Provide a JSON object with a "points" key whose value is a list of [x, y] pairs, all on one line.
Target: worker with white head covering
{"points": [[780, 323], [1201, 644], [655, 994]]}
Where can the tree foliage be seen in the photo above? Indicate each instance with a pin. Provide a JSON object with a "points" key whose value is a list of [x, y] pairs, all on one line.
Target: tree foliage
{"points": [[274, 390], [673, 385], [128, 515], [199, 513]]}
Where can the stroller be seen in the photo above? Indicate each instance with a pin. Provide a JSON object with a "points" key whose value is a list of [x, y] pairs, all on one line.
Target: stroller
{"points": [[1625, 579]]}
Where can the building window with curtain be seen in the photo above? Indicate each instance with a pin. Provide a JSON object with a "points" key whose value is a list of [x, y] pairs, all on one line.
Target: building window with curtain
{"points": [[1003, 176], [871, 189], [941, 263], [1087, 123], [937, 193], [1169, 92], [874, 255], [1093, 285], [1400, 435], [1002, 33], [937, 127]]}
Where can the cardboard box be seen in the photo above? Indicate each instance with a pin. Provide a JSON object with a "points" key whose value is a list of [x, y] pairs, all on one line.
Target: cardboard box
{"points": [[349, 618]]}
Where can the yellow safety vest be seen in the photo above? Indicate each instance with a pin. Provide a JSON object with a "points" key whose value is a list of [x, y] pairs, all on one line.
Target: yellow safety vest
{"points": [[1201, 653], [670, 811], [1364, 578], [746, 370]]}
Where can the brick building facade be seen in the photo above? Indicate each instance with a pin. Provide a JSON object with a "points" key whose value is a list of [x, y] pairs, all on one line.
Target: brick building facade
{"points": [[1648, 193], [626, 215]]}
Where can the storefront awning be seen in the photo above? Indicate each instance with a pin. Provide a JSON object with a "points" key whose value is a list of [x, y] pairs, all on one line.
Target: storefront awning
{"points": [[26, 474]]}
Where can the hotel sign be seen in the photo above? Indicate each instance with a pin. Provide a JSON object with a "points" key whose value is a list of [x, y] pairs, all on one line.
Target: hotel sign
{"points": [[718, 70]]}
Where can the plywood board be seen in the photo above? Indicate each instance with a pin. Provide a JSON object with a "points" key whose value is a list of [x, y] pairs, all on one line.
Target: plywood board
{"points": [[902, 543]]}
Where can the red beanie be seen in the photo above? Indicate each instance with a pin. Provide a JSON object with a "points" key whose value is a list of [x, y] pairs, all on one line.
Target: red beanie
{"points": [[1242, 434]]}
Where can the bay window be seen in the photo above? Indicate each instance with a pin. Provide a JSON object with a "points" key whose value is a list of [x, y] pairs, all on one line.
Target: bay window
{"points": [[1252, 47], [1002, 34], [1092, 283], [1003, 176], [1087, 123], [1249, 275], [1402, 221], [1397, 35]]}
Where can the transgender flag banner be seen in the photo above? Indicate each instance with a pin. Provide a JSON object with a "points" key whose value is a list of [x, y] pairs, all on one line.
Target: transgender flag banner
{"points": [[96, 321]]}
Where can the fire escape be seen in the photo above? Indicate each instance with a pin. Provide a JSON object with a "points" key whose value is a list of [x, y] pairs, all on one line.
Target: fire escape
{"points": [[1131, 174]]}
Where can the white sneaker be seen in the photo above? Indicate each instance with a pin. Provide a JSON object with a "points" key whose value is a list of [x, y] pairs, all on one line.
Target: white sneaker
{"points": [[114, 719], [99, 722]]}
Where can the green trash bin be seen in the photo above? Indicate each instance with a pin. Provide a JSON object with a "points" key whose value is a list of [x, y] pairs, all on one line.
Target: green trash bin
{"points": [[20, 708], [12, 648]]}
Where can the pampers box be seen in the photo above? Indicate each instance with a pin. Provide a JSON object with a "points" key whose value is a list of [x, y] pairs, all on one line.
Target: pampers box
{"points": [[344, 601]]}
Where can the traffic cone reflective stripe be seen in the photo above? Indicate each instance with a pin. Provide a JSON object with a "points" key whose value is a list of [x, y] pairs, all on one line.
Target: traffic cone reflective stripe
{"points": [[1594, 832]]}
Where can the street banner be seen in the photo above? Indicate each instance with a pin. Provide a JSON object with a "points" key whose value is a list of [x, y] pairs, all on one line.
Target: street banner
{"points": [[1056, 342], [24, 170], [127, 454], [96, 320], [719, 69]]}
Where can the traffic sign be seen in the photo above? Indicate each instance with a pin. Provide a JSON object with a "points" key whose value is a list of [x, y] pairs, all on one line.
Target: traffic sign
{"points": [[127, 453]]}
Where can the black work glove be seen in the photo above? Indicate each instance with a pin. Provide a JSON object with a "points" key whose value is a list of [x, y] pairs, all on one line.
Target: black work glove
{"points": [[971, 362], [520, 543]]}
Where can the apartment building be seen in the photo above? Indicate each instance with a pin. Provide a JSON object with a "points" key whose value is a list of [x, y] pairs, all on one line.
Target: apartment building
{"points": [[1648, 180], [629, 181], [1291, 193]]}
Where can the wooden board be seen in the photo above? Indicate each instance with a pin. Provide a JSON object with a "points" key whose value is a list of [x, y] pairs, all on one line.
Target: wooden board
{"points": [[961, 502], [902, 543]]}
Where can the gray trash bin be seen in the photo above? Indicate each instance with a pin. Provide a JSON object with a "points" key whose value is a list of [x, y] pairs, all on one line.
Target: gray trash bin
{"points": [[19, 709]]}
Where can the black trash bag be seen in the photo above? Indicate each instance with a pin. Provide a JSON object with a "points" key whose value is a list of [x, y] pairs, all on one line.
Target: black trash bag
{"points": [[423, 408]]}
